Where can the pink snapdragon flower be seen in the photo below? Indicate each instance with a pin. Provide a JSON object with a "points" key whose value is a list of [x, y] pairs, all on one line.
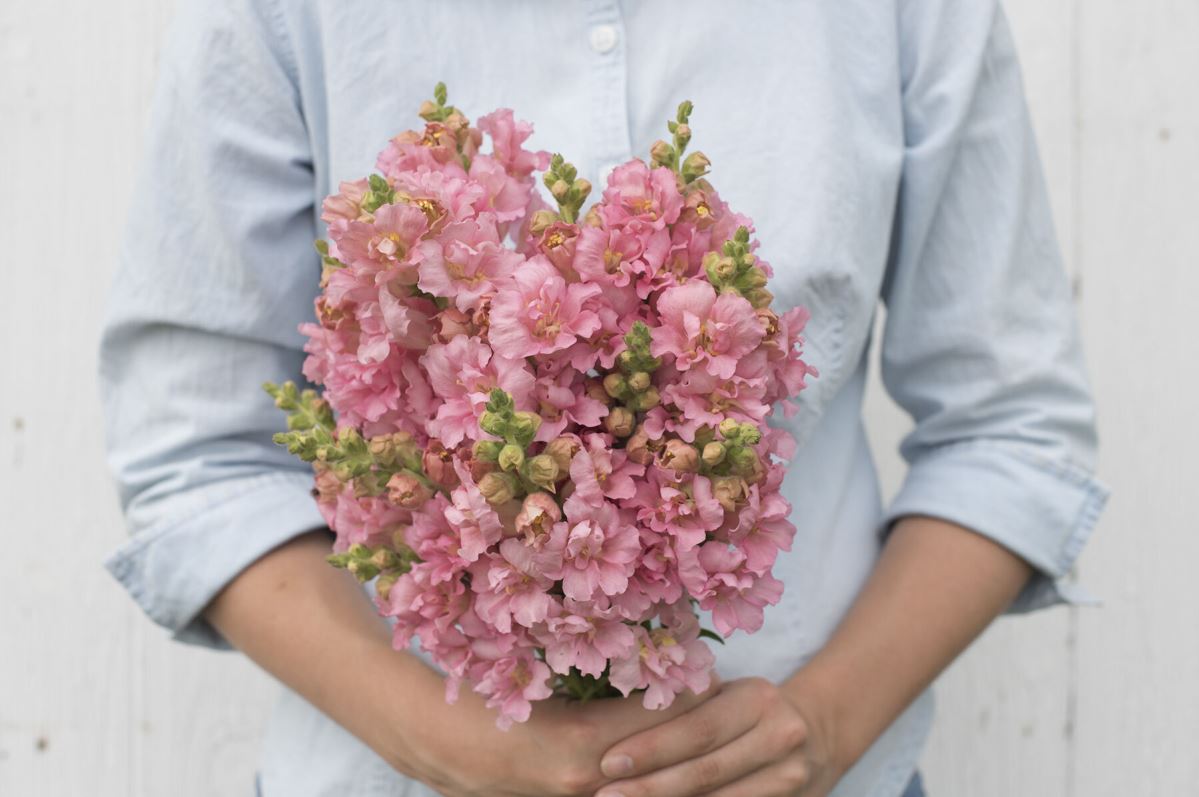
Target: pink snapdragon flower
{"points": [[665, 661], [585, 636], [510, 588], [462, 374], [383, 243], [639, 196], [718, 576], [540, 314], [592, 554], [511, 683], [507, 137], [474, 519], [465, 262], [600, 472], [763, 529], [699, 327]]}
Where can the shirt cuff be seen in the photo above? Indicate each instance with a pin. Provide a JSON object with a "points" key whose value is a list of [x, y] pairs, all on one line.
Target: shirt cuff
{"points": [[177, 565], [1041, 509]]}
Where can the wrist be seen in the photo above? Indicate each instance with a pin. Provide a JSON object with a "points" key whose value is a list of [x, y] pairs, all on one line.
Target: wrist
{"points": [[817, 695]]}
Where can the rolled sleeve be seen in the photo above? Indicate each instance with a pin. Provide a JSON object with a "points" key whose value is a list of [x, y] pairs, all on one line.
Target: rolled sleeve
{"points": [[981, 344], [216, 271], [176, 567]]}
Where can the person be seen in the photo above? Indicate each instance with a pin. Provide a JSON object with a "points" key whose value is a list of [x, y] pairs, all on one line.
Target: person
{"points": [[884, 150]]}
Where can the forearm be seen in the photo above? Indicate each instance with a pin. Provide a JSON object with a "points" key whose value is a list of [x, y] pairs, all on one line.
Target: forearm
{"points": [[313, 628], [935, 588]]}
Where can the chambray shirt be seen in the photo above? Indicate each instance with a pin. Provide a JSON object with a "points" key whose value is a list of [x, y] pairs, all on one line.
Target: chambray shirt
{"points": [[882, 147]]}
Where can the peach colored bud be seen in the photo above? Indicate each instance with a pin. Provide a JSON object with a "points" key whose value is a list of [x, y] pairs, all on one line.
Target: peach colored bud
{"points": [[728, 491], [660, 153], [646, 400], [438, 465], [637, 447], [620, 421], [407, 491], [543, 471], [714, 454], [679, 456], [639, 381], [541, 221], [497, 488], [615, 385], [538, 514], [595, 390], [728, 427], [562, 450]]}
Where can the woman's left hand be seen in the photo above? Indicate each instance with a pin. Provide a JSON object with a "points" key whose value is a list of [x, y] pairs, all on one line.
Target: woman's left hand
{"points": [[751, 739]]}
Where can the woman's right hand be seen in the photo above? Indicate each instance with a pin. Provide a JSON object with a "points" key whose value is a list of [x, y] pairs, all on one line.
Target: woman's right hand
{"points": [[457, 749]]}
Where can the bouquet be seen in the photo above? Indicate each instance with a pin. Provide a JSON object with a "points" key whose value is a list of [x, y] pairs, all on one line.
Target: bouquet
{"points": [[543, 432]]}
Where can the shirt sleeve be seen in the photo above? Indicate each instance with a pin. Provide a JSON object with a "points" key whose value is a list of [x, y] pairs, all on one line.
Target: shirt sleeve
{"points": [[215, 272], [981, 343]]}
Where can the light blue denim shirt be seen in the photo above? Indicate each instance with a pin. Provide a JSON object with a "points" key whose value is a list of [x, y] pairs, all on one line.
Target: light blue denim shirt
{"points": [[882, 147]]}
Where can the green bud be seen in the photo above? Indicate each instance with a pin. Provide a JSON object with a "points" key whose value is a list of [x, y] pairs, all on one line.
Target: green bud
{"points": [[511, 457], [524, 426], [542, 470], [498, 488], [728, 428], [487, 450]]}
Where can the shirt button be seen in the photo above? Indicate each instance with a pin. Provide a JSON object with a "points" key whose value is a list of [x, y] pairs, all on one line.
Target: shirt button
{"points": [[603, 38]]}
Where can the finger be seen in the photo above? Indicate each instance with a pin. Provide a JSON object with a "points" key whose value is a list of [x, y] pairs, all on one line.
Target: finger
{"points": [[729, 763], [621, 719], [705, 728], [782, 779]]}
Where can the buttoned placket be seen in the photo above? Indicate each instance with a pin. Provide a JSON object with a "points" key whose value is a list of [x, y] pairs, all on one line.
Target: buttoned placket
{"points": [[610, 140]]}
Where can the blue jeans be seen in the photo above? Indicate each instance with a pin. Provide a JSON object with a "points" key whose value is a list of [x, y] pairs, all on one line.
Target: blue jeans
{"points": [[915, 787]]}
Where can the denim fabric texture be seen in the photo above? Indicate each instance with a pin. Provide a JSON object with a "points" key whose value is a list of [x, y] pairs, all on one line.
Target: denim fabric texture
{"points": [[883, 149]]}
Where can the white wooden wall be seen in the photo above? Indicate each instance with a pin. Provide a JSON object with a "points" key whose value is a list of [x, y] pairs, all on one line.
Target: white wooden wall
{"points": [[1070, 703]]}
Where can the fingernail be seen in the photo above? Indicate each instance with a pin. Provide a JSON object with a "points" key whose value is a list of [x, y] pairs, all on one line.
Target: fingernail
{"points": [[614, 766]]}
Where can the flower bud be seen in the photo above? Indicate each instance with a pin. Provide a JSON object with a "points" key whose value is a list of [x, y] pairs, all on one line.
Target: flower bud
{"points": [[728, 427], [407, 491], [714, 454], [438, 465], [538, 514], [639, 381], [620, 421], [592, 218], [728, 490], [497, 488], [661, 153], [541, 220], [759, 297], [594, 388], [743, 460], [695, 165], [616, 386], [562, 450], [679, 456], [646, 400], [542, 470], [385, 583], [385, 559], [487, 450], [637, 448], [581, 187], [560, 189], [511, 457], [524, 425]]}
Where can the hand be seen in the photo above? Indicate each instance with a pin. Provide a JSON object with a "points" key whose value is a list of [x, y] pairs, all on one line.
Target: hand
{"points": [[457, 749], [750, 739]]}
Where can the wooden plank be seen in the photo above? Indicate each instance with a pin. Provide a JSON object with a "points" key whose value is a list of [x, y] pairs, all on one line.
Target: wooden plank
{"points": [[1138, 717]]}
